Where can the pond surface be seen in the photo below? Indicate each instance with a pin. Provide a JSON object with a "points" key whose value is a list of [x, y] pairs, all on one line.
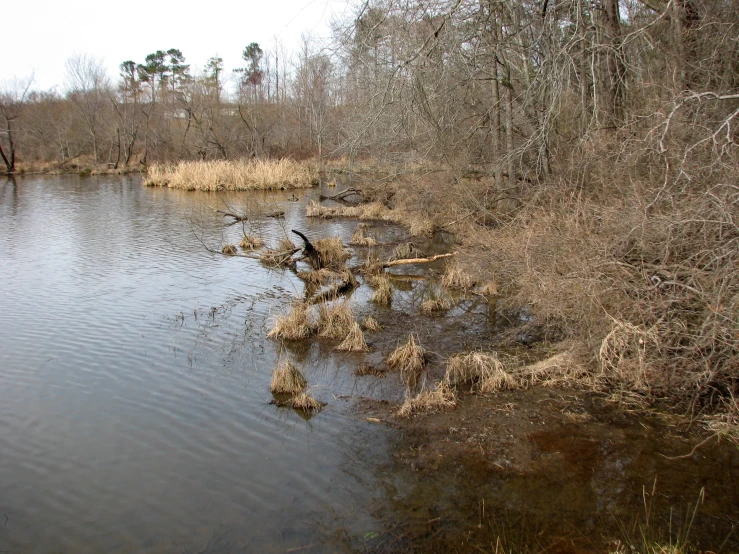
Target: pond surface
{"points": [[134, 379], [135, 414]]}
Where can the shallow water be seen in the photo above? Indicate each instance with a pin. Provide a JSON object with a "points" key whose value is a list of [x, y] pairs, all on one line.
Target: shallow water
{"points": [[135, 415], [134, 379]]}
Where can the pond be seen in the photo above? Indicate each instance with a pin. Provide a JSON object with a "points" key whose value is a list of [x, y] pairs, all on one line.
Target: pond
{"points": [[135, 409]]}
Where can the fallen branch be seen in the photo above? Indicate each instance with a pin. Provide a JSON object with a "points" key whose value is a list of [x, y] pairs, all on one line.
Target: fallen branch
{"points": [[236, 217], [343, 194], [418, 260]]}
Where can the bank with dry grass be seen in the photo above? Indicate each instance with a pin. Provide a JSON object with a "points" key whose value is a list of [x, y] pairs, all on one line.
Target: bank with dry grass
{"points": [[264, 174]]}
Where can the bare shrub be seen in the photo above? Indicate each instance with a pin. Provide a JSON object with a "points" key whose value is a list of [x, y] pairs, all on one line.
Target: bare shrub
{"points": [[287, 379]]}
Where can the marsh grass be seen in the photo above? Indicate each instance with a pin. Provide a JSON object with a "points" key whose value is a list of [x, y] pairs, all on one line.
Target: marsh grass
{"points": [[318, 276], [331, 252], [307, 403], [354, 341], [456, 278], [360, 239], [251, 242], [409, 359], [383, 293], [335, 320], [229, 250], [232, 175], [484, 372], [489, 289], [441, 397], [435, 303], [287, 379], [371, 324], [295, 325]]}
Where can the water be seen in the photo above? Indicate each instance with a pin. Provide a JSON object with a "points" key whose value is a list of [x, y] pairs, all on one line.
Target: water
{"points": [[135, 415], [134, 380]]}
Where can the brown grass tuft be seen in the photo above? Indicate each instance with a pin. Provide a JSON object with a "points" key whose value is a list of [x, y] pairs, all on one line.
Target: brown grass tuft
{"points": [[335, 320], [486, 372], [383, 289], [307, 403], [405, 251], [232, 175], [287, 379], [441, 397], [354, 341], [371, 324], [331, 252], [489, 289], [295, 325], [456, 278], [318, 276], [229, 250], [436, 302], [360, 239], [409, 359], [251, 242]]}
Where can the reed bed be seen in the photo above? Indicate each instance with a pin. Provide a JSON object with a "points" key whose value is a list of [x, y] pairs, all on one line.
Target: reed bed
{"points": [[233, 175], [287, 379]]}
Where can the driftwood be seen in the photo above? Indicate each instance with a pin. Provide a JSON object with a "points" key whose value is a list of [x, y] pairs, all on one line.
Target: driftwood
{"points": [[343, 194], [418, 260]]}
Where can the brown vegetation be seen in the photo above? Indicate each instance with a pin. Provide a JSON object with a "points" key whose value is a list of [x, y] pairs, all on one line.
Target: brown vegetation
{"points": [[335, 320], [441, 397], [360, 239], [371, 324], [354, 341], [295, 325], [251, 242], [287, 379], [306, 402], [485, 372], [383, 293], [232, 175], [409, 359], [229, 250]]}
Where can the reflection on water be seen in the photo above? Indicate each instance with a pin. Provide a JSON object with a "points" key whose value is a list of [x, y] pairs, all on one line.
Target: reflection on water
{"points": [[134, 375]]}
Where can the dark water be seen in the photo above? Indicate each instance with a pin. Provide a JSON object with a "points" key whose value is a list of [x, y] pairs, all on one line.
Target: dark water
{"points": [[134, 380]]}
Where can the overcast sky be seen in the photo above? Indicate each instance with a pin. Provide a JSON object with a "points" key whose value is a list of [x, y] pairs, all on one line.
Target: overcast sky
{"points": [[40, 35]]}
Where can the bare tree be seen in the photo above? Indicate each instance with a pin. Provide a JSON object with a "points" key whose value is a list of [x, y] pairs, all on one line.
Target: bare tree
{"points": [[12, 99]]}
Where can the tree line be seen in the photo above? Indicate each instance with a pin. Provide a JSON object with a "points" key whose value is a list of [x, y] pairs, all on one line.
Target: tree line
{"points": [[514, 88]]}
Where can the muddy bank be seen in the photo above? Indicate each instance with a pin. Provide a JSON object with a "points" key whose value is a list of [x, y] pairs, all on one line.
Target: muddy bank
{"points": [[547, 470]]}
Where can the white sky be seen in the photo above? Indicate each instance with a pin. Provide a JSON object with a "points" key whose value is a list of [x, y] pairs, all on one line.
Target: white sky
{"points": [[40, 35]]}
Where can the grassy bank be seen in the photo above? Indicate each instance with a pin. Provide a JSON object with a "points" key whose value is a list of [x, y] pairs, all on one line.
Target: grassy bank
{"points": [[233, 175], [642, 279]]}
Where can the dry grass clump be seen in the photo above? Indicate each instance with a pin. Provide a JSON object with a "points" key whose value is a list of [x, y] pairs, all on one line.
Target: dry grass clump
{"points": [[281, 256], [331, 252], [409, 359], [489, 289], [405, 251], [287, 379], [295, 325], [435, 303], [229, 250], [561, 369], [456, 278], [307, 403], [251, 242], [371, 324], [318, 276], [335, 320], [441, 397], [360, 239], [371, 211], [624, 354], [232, 175], [485, 372], [354, 341], [383, 293]]}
